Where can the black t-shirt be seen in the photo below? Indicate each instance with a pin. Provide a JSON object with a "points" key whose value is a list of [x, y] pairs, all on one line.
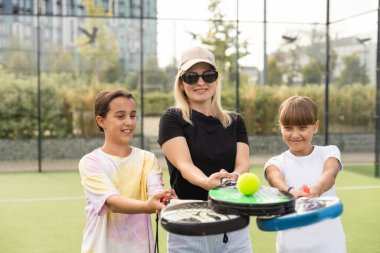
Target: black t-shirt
{"points": [[212, 147]]}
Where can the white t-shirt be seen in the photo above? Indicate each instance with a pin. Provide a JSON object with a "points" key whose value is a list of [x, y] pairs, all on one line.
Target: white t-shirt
{"points": [[326, 236], [136, 176]]}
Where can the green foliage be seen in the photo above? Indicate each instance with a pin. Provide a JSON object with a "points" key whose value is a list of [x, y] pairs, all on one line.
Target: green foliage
{"points": [[19, 60], [353, 71], [19, 113], [155, 103], [259, 108], [67, 105], [354, 107], [62, 62], [275, 72], [313, 72], [349, 108], [221, 37], [100, 56]]}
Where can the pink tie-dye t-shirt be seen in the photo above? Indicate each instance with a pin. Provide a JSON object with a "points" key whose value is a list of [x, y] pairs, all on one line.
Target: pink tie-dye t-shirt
{"points": [[135, 176]]}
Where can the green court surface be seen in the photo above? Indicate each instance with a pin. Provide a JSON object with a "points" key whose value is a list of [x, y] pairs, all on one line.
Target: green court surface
{"points": [[45, 213]]}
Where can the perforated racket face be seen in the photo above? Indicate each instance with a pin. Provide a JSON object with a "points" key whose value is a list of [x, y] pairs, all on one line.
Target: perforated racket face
{"points": [[308, 211], [197, 218], [267, 201]]}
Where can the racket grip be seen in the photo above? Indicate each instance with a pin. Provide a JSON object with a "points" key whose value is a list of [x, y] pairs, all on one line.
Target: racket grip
{"points": [[305, 189], [225, 180], [166, 200]]}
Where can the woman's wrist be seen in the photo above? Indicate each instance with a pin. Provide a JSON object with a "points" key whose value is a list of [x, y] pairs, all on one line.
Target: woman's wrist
{"points": [[237, 174]]}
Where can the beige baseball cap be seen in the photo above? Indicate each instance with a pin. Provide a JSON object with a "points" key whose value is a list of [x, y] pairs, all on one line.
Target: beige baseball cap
{"points": [[194, 55]]}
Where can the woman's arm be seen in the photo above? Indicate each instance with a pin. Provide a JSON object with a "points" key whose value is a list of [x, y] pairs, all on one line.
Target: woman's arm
{"points": [[177, 152], [242, 159]]}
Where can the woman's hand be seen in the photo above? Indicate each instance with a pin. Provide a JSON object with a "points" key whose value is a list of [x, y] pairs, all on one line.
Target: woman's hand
{"points": [[215, 180]]}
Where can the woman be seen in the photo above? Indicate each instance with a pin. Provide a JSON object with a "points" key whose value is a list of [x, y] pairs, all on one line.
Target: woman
{"points": [[202, 144]]}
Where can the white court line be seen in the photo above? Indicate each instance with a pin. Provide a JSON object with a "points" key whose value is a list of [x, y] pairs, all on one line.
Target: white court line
{"points": [[343, 188], [41, 199]]}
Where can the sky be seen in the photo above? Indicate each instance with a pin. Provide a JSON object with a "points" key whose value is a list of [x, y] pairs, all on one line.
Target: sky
{"points": [[177, 19]]}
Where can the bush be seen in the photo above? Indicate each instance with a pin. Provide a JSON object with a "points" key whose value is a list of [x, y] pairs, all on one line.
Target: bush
{"points": [[19, 109], [67, 105]]}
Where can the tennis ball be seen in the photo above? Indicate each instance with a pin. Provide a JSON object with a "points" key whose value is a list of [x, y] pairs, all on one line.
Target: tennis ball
{"points": [[248, 183]]}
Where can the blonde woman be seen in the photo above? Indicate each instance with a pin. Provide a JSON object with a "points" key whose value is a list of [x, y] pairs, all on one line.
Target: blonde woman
{"points": [[202, 144]]}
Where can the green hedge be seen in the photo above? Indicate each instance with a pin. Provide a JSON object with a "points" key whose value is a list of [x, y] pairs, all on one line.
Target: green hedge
{"points": [[351, 108], [67, 105]]}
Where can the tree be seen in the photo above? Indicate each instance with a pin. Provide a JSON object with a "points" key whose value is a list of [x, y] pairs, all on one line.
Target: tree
{"points": [[97, 45], [18, 58], [352, 70], [312, 72], [153, 75], [285, 62], [305, 62], [275, 72], [221, 37], [63, 62]]}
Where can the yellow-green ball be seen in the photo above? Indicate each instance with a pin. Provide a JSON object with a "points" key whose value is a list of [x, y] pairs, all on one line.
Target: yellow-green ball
{"points": [[248, 183]]}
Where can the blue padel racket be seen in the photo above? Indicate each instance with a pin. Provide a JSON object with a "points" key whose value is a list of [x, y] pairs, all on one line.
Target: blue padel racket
{"points": [[267, 201], [307, 211], [197, 218]]}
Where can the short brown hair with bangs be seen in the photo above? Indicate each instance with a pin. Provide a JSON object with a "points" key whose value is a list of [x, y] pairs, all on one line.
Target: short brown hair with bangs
{"points": [[298, 111], [104, 98]]}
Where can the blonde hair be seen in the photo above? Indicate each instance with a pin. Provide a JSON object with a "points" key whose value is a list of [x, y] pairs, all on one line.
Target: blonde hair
{"points": [[298, 111], [182, 103]]}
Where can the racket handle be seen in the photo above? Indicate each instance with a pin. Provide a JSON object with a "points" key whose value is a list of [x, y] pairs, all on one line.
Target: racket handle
{"points": [[305, 189], [225, 180], [166, 200]]}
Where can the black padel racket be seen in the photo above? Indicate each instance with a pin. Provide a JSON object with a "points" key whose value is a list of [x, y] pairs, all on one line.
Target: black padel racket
{"points": [[307, 211], [267, 201], [197, 218]]}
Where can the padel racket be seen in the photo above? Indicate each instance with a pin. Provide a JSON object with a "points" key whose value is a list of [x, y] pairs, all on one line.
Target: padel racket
{"points": [[197, 218], [307, 211], [267, 201]]}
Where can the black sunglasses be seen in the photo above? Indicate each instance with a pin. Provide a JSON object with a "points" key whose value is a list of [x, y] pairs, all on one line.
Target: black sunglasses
{"points": [[208, 76]]}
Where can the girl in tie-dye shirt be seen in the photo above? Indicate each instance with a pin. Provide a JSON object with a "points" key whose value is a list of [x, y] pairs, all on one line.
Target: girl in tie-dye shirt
{"points": [[122, 184]]}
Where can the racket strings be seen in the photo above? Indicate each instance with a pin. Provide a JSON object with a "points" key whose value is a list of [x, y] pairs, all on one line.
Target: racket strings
{"points": [[200, 219], [195, 214], [268, 194], [309, 204]]}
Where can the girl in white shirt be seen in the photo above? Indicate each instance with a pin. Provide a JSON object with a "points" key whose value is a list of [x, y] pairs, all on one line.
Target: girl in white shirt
{"points": [[305, 164]]}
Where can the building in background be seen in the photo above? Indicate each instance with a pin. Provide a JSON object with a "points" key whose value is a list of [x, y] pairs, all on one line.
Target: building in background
{"points": [[60, 22]]}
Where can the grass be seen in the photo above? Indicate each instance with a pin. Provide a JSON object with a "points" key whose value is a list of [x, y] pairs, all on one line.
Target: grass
{"points": [[45, 213]]}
